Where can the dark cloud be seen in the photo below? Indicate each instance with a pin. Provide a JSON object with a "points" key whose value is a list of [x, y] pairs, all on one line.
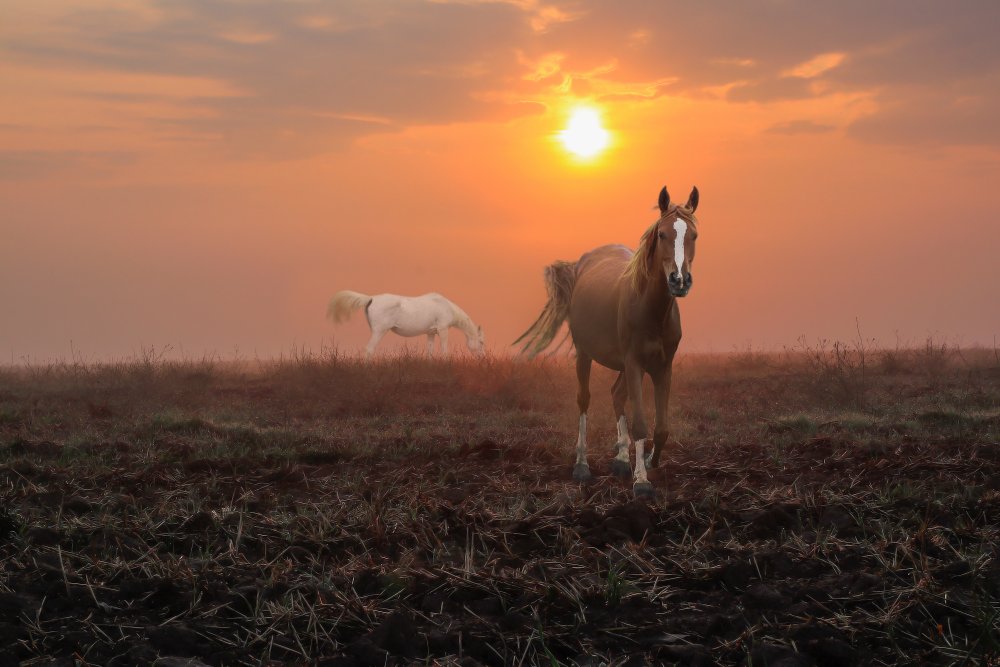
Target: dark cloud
{"points": [[312, 75], [771, 90], [933, 119], [22, 165], [800, 127], [948, 46], [311, 65], [913, 58]]}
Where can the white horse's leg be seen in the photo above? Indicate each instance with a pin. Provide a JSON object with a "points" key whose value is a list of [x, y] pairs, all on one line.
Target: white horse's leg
{"points": [[430, 343], [443, 333], [373, 342]]}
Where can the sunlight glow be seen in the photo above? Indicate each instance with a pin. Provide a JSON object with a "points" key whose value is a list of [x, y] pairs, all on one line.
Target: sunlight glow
{"points": [[584, 136]]}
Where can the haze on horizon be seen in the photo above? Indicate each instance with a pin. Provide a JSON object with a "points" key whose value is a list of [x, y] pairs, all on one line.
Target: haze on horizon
{"points": [[205, 175]]}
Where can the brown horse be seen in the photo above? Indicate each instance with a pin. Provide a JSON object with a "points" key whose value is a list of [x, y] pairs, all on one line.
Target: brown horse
{"points": [[622, 310]]}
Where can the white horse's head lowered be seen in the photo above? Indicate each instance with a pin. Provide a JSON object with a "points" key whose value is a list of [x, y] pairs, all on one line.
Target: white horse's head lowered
{"points": [[476, 341]]}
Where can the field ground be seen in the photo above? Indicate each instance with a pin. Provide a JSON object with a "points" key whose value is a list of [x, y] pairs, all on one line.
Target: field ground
{"points": [[829, 506]]}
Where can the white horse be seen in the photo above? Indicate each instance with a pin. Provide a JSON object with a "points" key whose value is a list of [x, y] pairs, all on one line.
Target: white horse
{"points": [[429, 314]]}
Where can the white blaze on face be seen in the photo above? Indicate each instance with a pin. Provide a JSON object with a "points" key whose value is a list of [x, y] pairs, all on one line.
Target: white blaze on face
{"points": [[680, 227]]}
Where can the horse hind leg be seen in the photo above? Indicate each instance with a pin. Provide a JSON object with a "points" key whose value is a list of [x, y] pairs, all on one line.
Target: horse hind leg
{"points": [[619, 396], [373, 342], [581, 470]]}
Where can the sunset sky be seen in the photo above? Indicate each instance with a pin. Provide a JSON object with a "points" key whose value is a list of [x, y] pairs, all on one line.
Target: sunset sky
{"points": [[205, 175]]}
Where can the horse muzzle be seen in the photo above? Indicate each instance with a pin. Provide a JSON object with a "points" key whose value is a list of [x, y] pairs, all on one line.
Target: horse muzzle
{"points": [[677, 285]]}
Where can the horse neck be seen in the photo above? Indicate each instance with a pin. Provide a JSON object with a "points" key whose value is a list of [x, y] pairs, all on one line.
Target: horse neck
{"points": [[462, 321], [655, 297]]}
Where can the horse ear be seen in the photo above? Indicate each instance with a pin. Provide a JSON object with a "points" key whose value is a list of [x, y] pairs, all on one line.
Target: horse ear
{"points": [[693, 200], [664, 200]]}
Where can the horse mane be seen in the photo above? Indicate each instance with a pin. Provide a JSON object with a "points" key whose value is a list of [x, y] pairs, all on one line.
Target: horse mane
{"points": [[637, 269]]}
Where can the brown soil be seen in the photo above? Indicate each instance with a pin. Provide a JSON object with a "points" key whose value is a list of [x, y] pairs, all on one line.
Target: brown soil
{"points": [[425, 514]]}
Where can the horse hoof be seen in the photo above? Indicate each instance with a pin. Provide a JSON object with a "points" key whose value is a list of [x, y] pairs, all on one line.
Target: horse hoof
{"points": [[620, 469], [643, 490], [581, 472]]}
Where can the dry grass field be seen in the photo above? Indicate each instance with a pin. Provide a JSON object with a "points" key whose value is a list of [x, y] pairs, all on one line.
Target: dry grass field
{"points": [[832, 505]]}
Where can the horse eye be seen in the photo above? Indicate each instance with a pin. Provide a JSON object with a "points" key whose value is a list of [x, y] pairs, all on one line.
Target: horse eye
{"points": [[661, 235]]}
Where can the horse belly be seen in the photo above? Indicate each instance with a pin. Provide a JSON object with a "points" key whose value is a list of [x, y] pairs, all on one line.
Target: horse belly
{"points": [[417, 318], [410, 331], [600, 345], [593, 318]]}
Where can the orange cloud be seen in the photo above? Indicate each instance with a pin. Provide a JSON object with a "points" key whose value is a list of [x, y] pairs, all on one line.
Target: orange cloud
{"points": [[815, 66], [247, 36]]}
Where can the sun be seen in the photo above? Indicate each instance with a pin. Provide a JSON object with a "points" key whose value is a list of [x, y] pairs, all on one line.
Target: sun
{"points": [[584, 136]]}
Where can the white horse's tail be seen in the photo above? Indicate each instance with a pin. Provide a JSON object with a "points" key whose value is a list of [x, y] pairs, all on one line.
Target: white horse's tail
{"points": [[560, 278], [344, 303]]}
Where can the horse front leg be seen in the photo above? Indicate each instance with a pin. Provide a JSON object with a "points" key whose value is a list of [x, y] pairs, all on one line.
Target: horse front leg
{"points": [[430, 343], [661, 399], [443, 333], [633, 377]]}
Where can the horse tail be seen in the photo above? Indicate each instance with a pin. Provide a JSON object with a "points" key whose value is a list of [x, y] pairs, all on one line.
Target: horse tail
{"points": [[344, 303], [560, 277]]}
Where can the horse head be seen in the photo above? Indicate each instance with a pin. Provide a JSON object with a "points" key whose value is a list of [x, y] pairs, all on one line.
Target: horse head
{"points": [[669, 244], [477, 341]]}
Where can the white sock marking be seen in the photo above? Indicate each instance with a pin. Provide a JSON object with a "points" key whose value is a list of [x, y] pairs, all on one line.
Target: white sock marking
{"points": [[640, 463], [622, 432], [623, 441], [680, 226], [622, 454], [581, 441]]}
